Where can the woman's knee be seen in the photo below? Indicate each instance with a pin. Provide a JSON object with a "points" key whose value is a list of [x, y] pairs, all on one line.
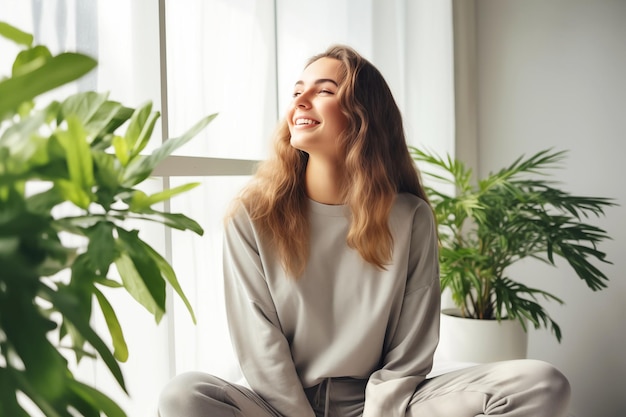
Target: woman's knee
{"points": [[534, 386], [554, 380], [186, 391], [542, 378]]}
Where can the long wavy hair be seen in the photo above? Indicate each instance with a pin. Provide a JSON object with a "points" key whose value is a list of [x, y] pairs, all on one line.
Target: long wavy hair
{"points": [[377, 166]]}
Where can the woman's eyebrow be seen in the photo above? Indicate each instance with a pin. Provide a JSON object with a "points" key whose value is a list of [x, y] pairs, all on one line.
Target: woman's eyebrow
{"points": [[319, 81]]}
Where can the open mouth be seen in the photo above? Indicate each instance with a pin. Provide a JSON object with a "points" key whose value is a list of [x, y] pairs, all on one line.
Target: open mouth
{"points": [[305, 122]]}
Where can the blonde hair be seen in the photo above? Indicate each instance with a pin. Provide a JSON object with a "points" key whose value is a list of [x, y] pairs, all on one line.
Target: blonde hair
{"points": [[377, 167]]}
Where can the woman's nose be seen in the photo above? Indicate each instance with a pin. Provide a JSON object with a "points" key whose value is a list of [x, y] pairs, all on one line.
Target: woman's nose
{"points": [[302, 101]]}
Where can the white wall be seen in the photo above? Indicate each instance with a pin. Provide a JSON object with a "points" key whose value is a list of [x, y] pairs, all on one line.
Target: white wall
{"points": [[553, 74]]}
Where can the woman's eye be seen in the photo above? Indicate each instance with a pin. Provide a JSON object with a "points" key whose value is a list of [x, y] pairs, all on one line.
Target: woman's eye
{"points": [[322, 91]]}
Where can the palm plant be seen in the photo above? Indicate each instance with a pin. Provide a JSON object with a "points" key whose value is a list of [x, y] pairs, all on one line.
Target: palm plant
{"points": [[85, 152], [485, 226]]}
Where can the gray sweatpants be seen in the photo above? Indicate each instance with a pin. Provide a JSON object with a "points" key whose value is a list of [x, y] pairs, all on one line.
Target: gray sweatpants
{"points": [[520, 388]]}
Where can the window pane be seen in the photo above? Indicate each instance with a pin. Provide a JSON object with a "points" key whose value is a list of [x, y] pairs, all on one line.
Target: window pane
{"points": [[198, 265], [122, 36], [220, 57]]}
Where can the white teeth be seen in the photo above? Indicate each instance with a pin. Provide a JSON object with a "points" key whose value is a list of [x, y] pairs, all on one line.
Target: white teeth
{"points": [[300, 122]]}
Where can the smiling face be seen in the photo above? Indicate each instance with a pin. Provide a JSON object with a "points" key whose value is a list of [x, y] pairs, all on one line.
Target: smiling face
{"points": [[314, 117]]}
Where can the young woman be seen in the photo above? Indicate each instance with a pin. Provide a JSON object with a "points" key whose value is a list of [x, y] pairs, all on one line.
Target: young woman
{"points": [[332, 280]]}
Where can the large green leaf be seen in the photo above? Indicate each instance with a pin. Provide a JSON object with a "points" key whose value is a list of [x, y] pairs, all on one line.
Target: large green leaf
{"points": [[65, 303], [122, 150], [44, 403], [121, 116], [26, 148], [97, 399], [174, 220], [101, 250], [79, 160], [141, 167], [43, 202], [26, 329], [16, 35], [140, 201], [135, 285], [73, 192], [115, 329], [140, 273], [80, 407], [57, 71], [30, 59], [84, 106], [9, 407], [170, 276], [140, 129]]}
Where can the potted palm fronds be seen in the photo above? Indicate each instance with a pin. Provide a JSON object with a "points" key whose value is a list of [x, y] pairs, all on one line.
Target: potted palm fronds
{"points": [[84, 153], [487, 225]]}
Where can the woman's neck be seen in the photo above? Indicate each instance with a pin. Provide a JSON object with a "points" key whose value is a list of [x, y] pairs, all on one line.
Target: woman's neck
{"points": [[324, 182]]}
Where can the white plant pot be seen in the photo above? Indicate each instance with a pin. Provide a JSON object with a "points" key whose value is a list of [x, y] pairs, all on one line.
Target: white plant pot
{"points": [[480, 341]]}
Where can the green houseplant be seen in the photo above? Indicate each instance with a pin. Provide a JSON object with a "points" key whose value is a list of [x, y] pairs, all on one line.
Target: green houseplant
{"points": [[83, 152], [487, 225]]}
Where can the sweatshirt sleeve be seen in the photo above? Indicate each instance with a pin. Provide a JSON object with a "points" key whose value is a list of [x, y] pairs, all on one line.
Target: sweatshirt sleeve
{"points": [[408, 356], [262, 349]]}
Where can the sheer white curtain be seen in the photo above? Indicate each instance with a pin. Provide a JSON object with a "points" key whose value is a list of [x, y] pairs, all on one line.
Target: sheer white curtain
{"points": [[238, 58]]}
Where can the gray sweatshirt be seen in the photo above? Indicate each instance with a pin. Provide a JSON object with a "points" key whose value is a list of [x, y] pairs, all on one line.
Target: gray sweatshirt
{"points": [[342, 318]]}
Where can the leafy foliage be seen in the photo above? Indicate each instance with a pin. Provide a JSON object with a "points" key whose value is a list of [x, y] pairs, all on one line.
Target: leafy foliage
{"points": [[73, 151], [510, 215]]}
